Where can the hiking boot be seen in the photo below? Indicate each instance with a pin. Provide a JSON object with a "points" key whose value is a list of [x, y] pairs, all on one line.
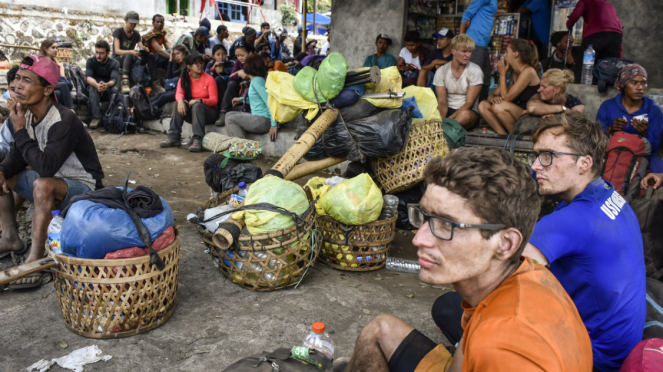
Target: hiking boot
{"points": [[156, 87], [124, 86], [221, 121], [196, 145], [340, 364], [94, 124], [170, 143]]}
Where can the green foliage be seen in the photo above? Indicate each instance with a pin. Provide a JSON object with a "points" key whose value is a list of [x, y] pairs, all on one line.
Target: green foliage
{"points": [[288, 14]]}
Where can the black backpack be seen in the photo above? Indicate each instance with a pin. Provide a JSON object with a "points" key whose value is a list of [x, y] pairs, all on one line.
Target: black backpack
{"points": [[606, 71], [649, 210], [117, 118], [77, 78], [279, 360], [142, 104], [654, 320]]}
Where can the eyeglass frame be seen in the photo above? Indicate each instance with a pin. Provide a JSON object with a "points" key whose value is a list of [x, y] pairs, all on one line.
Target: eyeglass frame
{"points": [[454, 225], [552, 153]]}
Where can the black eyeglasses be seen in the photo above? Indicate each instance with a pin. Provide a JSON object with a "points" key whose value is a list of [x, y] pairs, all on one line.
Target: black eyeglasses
{"points": [[546, 157], [443, 228]]}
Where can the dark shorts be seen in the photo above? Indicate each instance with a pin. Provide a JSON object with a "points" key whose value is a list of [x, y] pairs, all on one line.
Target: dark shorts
{"points": [[410, 352], [26, 178]]}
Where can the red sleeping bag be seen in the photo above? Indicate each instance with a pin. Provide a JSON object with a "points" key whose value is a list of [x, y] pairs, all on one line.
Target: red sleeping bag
{"points": [[164, 240]]}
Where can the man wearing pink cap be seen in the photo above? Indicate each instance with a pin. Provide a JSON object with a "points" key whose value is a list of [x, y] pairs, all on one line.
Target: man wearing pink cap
{"points": [[53, 159]]}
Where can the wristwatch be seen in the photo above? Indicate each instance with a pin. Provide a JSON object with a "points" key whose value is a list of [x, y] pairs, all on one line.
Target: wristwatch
{"points": [[563, 108]]}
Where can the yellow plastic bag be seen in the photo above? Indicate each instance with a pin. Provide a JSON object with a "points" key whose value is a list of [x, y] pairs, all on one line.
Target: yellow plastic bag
{"points": [[276, 191], [356, 201], [426, 101], [390, 81], [318, 188], [284, 102]]}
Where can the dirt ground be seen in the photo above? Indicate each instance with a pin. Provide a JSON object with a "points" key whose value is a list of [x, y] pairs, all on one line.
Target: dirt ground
{"points": [[215, 321]]}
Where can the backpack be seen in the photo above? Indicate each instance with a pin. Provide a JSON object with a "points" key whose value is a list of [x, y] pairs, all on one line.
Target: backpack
{"points": [[117, 118], [77, 78], [606, 71], [139, 73], [142, 104], [649, 210], [625, 163], [186, 39]]}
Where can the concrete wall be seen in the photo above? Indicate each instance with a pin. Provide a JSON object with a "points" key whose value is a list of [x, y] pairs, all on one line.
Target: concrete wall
{"points": [[356, 24], [643, 35], [592, 99], [146, 8]]}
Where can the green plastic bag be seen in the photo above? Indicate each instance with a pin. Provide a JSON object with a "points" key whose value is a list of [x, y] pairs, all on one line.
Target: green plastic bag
{"points": [[356, 201], [303, 84], [454, 133], [276, 191], [331, 75]]}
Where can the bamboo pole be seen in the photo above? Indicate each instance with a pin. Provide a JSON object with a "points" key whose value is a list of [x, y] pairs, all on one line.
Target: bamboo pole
{"points": [[229, 230], [304, 169], [18, 46]]}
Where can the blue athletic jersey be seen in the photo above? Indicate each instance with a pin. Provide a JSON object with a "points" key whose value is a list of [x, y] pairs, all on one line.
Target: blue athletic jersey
{"points": [[595, 250]]}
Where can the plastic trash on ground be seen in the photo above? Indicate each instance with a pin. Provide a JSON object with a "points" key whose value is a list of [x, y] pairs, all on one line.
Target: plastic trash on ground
{"points": [[276, 191], [75, 361], [356, 201]]}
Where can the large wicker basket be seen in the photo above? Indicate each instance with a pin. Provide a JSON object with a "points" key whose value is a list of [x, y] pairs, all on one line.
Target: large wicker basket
{"points": [[266, 262], [356, 248], [403, 171], [117, 298]]}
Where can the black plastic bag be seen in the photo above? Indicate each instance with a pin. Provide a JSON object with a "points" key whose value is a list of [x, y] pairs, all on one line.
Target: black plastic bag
{"points": [[236, 171], [409, 196]]}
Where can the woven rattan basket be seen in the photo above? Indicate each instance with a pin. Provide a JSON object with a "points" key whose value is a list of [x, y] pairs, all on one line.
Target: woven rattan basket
{"points": [[266, 262], [403, 171], [117, 298], [356, 248], [65, 55]]}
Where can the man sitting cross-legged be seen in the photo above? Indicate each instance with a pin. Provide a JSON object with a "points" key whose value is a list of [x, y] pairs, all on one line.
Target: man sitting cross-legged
{"points": [[458, 84], [53, 159], [474, 221]]}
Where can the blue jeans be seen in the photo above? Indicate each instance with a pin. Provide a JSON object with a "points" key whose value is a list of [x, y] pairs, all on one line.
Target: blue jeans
{"points": [[26, 178]]}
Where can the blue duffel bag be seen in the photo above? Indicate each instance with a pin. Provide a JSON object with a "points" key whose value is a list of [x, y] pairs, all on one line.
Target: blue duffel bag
{"points": [[91, 230]]}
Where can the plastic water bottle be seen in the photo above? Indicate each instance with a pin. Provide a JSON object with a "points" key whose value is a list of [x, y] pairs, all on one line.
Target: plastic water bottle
{"points": [[53, 232], [319, 340], [402, 265], [588, 65], [243, 189]]}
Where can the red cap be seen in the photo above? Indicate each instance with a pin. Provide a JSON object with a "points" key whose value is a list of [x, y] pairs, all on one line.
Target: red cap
{"points": [[42, 66], [318, 327]]}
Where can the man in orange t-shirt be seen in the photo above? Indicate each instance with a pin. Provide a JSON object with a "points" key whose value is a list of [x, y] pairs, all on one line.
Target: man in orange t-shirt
{"points": [[474, 221]]}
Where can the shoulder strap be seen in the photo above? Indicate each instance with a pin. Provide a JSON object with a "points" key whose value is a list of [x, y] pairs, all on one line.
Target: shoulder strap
{"points": [[375, 59]]}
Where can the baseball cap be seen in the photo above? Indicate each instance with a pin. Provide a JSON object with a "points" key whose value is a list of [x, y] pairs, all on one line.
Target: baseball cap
{"points": [[249, 31], [131, 16], [386, 37], [444, 32], [42, 66], [202, 31], [284, 33]]}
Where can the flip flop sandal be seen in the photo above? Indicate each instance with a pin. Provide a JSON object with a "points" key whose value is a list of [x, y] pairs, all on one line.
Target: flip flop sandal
{"points": [[43, 278], [26, 246]]}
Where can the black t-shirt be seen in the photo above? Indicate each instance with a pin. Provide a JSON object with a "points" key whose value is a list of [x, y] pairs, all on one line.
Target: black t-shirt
{"points": [[103, 72], [572, 102], [126, 42], [438, 54]]}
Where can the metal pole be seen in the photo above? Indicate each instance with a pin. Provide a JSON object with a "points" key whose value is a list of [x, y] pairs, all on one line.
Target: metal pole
{"points": [[315, 9], [305, 32]]}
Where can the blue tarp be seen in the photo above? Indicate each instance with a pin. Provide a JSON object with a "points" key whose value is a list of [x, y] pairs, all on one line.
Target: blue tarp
{"points": [[319, 19]]}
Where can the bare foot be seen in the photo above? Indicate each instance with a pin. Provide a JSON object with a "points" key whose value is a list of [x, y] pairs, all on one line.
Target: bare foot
{"points": [[11, 244]]}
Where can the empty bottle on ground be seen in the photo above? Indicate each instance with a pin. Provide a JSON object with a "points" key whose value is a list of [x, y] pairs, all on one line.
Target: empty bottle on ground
{"points": [[588, 60], [319, 340], [403, 265]]}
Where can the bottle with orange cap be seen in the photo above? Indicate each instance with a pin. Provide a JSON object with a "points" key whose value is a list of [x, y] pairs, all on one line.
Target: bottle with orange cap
{"points": [[319, 340]]}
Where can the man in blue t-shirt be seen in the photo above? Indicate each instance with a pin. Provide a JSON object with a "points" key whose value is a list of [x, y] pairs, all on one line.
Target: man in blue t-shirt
{"points": [[592, 240], [477, 23], [540, 13], [381, 58]]}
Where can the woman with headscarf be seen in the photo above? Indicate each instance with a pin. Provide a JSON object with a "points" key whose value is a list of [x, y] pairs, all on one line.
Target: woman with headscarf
{"points": [[197, 98], [630, 111]]}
